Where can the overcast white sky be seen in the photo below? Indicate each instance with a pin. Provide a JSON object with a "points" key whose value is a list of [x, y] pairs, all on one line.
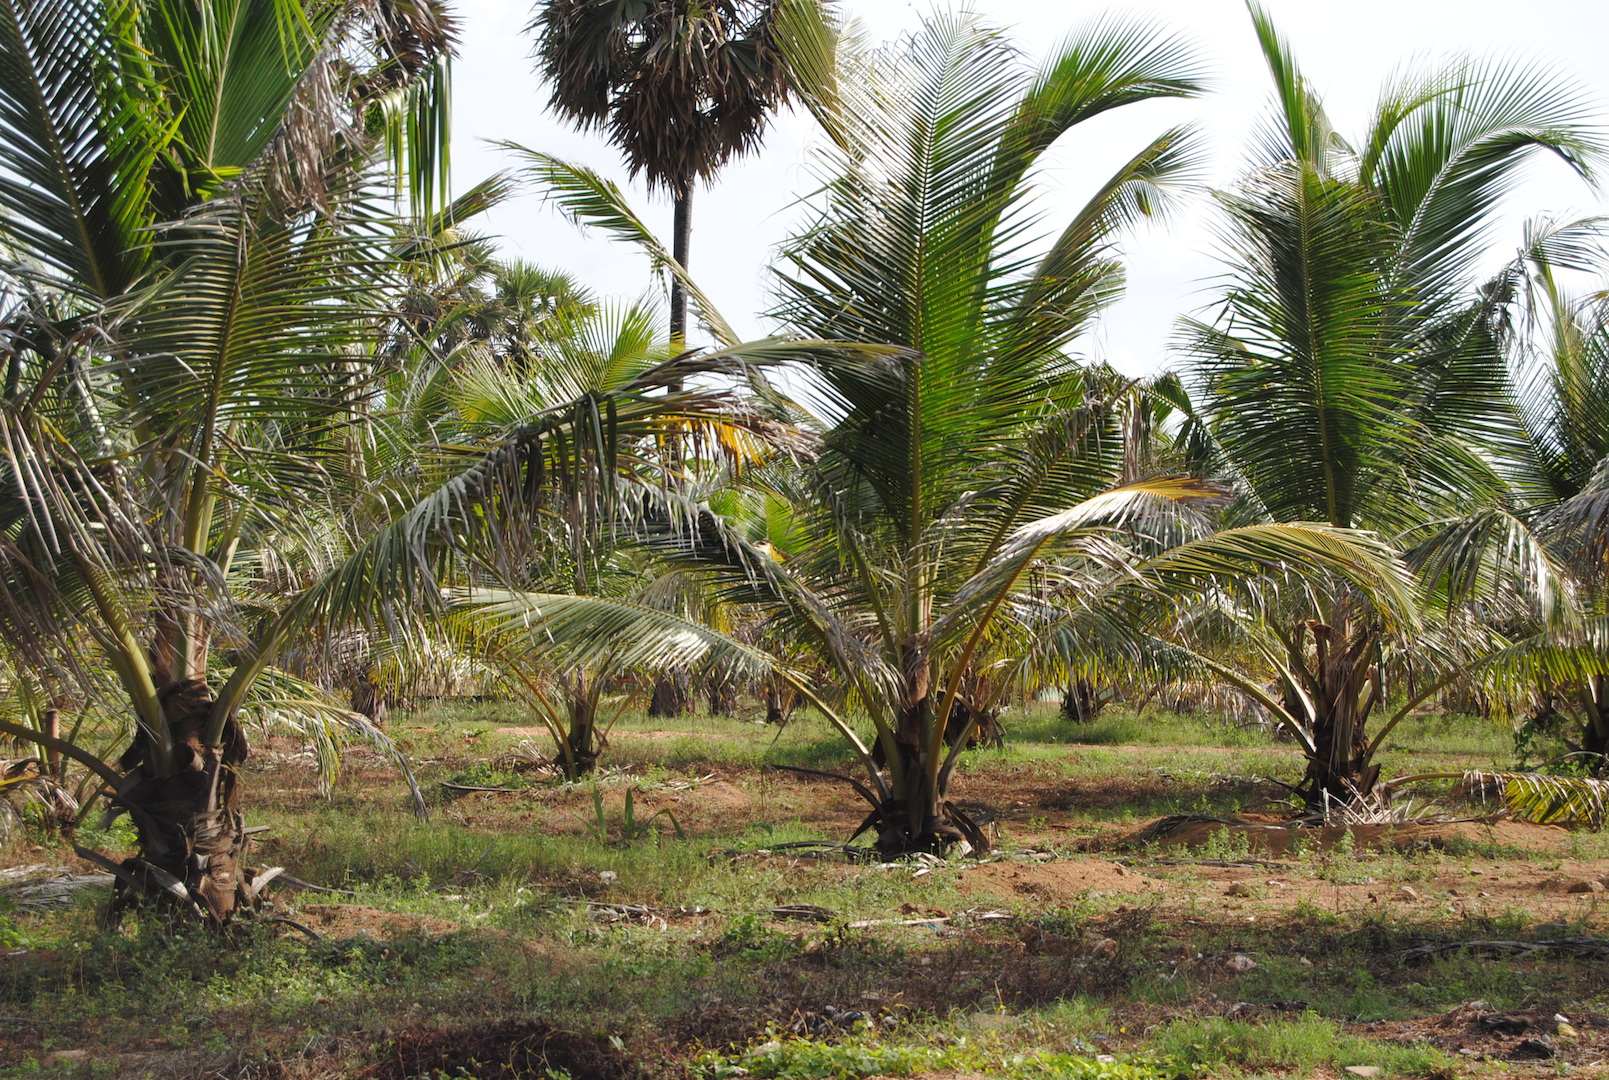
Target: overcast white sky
{"points": [[1346, 48]]}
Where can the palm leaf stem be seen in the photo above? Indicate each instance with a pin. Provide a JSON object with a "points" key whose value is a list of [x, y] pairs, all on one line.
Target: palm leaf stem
{"points": [[65, 747], [550, 720], [128, 658], [1263, 698]]}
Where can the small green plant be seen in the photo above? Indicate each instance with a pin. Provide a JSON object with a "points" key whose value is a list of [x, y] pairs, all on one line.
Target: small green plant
{"points": [[631, 830], [483, 774], [1226, 844], [750, 939]]}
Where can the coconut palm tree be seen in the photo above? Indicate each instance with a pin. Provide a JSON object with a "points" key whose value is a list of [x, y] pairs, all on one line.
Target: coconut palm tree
{"points": [[189, 225], [1560, 344], [194, 295], [963, 511], [1353, 371]]}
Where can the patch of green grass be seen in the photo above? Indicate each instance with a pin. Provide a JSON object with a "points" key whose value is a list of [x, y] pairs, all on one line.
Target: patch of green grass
{"points": [[865, 1053], [1214, 1046]]}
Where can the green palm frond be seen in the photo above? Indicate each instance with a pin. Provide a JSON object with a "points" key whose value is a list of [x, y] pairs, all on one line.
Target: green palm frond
{"points": [[1494, 560], [79, 130], [1443, 170], [236, 65], [589, 200], [1303, 397], [1545, 799], [1301, 130]]}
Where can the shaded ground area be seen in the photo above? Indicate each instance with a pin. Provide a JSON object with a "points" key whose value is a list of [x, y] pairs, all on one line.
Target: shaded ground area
{"points": [[543, 932]]}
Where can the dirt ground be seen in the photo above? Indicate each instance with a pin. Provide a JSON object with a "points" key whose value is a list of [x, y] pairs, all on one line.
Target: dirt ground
{"points": [[1073, 904]]}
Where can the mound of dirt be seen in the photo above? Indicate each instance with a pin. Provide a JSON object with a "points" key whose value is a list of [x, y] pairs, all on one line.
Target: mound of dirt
{"points": [[1051, 881], [1265, 839], [510, 1048], [355, 920]]}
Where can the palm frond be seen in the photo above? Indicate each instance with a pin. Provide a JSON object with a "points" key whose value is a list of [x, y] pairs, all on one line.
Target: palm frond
{"points": [[79, 130], [1545, 799], [589, 200]]}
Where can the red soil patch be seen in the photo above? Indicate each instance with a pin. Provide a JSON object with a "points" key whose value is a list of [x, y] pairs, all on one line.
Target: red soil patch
{"points": [[1053, 881]]}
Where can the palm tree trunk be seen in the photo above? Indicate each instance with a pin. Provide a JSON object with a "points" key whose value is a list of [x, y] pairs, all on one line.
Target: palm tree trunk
{"points": [[191, 829], [721, 693], [1081, 704], [681, 243], [50, 724], [918, 818], [672, 695], [1348, 683], [582, 758], [1595, 730], [778, 701]]}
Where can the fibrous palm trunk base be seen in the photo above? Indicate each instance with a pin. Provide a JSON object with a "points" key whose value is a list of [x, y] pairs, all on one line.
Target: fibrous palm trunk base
{"points": [[582, 739], [673, 696], [923, 821], [722, 697], [1347, 683], [192, 833], [1338, 773], [1081, 704], [779, 701]]}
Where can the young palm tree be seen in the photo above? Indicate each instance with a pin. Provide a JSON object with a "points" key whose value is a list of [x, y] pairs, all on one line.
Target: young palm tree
{"points": [[191, 284], [193, 309], [1353, 373], [1561, 343], [963, 510]]}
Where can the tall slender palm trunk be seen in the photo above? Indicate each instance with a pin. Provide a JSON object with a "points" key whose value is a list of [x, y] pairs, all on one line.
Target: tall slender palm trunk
{"points": [[681, 245], [672, 694]]}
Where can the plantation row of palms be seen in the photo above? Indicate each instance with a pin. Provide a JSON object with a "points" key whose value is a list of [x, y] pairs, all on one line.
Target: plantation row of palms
{"points": [[277, 427]]}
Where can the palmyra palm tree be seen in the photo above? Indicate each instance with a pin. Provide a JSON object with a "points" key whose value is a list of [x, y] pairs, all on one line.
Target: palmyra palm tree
{"points": [[963, 503], [1353, 372], [680, 86]]}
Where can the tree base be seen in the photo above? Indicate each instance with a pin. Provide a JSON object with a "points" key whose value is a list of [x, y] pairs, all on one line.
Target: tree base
{"points": [[192, 833], [901, 834]]}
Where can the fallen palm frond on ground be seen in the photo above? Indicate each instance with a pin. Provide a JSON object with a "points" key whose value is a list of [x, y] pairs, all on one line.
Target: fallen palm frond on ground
{"points": [[1539, 798], [1584, 948]]}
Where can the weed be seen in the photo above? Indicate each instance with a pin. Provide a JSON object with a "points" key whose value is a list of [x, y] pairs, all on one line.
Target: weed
{"points": [[1228, 845], [631, 829], [1214, 1044]]}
